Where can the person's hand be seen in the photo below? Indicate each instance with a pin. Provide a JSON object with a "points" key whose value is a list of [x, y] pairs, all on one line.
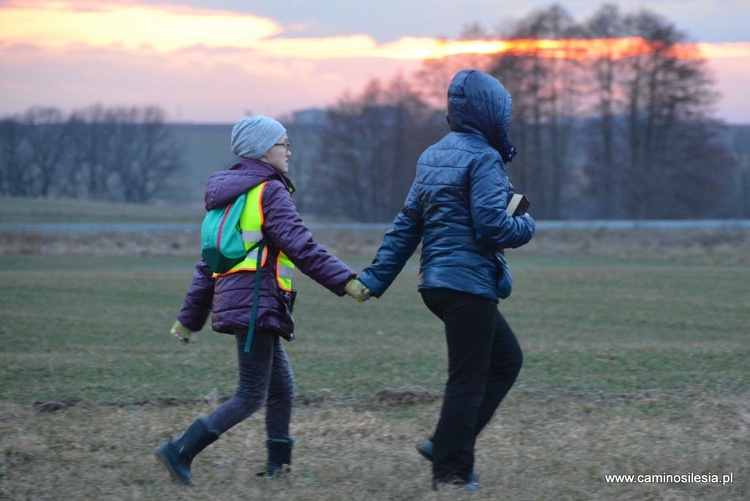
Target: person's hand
{"points": [[357, 290], [182, 333]]}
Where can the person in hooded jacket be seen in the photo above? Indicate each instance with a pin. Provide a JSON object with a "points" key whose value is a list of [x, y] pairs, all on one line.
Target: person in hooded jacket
{"points": [[265, 374], [456, 208]]}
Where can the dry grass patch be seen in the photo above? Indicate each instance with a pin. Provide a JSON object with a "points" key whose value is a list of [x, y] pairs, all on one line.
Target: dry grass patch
{"points": [[542, 445]]}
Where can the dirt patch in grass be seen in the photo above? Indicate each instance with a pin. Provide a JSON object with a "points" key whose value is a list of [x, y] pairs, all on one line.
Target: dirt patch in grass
{"points": [[407, 395]]}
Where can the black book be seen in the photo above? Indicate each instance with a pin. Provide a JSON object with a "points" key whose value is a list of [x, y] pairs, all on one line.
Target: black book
{"points": [[518, 205]]}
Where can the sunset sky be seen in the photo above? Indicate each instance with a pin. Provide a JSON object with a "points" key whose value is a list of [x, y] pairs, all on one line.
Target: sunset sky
{"points": [[214, 61]]}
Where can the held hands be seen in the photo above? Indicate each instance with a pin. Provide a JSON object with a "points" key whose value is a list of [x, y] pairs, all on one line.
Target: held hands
{"points": [[182, 333], [357, 290]]}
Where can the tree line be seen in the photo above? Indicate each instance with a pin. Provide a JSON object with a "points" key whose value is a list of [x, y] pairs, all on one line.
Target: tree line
{"points": [[608, 136], [123, 154]]}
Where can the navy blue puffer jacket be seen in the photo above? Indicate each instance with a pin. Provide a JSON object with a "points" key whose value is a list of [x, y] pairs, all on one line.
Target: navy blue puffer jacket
{"points": [[456, 206]]}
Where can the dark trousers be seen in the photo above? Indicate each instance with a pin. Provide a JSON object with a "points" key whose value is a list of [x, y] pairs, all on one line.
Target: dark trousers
{"points": [[265, 377], [484, 359]]}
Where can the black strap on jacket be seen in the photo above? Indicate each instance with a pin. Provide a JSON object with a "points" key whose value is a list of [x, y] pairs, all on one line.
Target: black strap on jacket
{"points": [[256, 294]]}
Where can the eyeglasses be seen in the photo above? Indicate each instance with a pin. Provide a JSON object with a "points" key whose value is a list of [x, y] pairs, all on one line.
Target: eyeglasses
{"points": [[286, 145]]}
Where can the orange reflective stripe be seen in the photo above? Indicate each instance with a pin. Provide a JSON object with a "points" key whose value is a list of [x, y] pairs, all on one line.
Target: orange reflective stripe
{"points": [[262, 216]]}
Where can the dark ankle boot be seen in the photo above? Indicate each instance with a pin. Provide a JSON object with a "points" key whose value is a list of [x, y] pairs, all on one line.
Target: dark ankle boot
{"points": [[425, 449], [279, 457], [469, 483], [177, 455]]}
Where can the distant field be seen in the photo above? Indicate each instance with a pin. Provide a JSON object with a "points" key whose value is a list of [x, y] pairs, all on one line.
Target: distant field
{"points": [[20, 211], [636, 362]]}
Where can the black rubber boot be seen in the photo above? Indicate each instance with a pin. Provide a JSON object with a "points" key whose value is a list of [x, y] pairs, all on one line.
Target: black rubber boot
{"points": [[279, 457], [177, 455]]}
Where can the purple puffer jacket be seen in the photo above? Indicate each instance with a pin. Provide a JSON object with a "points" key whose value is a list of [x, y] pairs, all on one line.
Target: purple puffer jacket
{"points": [[230, 297]]}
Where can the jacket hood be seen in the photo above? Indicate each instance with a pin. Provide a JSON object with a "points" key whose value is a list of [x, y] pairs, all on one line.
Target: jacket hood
{"points": [[223, 187], [478, 103]]}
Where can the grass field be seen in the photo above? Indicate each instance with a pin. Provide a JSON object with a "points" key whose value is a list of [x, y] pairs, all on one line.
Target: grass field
{"points": [[634, 364]]}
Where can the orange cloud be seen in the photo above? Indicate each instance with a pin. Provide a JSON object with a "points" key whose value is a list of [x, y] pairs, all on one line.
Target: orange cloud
{"points": [[166, 28], [430, 48], [130, 25]]}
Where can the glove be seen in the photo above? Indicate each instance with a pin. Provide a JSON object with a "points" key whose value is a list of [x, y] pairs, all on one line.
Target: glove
{"points": [[182, 333], [357, 290]]}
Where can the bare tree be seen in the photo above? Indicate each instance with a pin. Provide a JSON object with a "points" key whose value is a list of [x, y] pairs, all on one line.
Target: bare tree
{"points": [[45, 137], [351, 141], [545, 107], [668, 104], [92, 130], [153, 156], [740, 140], [12, 157], [102, 154], [603, 166], [370, 148]]}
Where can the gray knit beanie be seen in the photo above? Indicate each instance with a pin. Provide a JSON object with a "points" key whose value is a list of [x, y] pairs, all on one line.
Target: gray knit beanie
{"points": [[253, 136]]}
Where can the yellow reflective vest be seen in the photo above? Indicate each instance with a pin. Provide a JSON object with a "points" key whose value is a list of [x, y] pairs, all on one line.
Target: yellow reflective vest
{"points": [[251, 224]]}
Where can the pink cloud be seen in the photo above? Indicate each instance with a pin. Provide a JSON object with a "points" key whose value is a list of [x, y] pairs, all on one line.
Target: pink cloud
{"points": [[102, 58], [191, 85]]}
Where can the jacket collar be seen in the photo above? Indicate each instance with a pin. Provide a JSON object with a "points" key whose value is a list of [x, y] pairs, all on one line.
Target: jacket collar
{"points": [[224, 186]]}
